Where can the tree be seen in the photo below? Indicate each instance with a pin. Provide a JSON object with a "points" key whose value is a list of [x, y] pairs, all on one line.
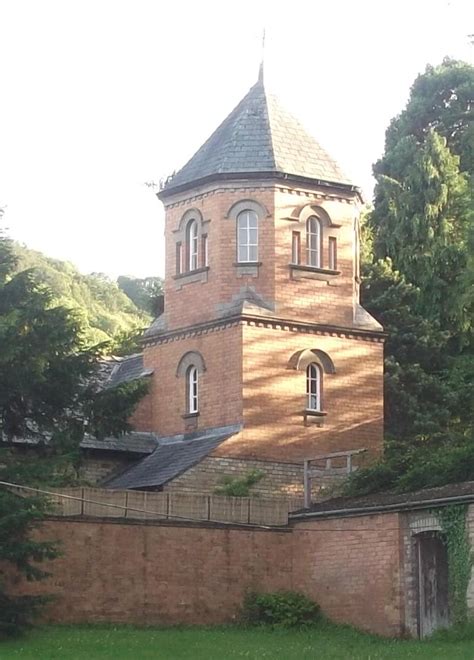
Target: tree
{"points": [[441, 99], [421, 221], [51, 393], [418, 278], [145, 293]]}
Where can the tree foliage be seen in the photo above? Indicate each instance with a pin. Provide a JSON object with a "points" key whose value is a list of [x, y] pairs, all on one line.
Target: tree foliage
{"points": [[145, 293], [51, 393], [104, 310], [418, 282]]}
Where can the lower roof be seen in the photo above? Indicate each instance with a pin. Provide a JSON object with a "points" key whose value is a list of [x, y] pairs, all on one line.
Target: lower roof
{"points": [[389, 501], [172, 457]]}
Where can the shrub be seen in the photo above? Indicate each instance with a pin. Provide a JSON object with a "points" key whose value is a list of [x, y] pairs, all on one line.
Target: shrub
{"points": [[281, 608], [239, 486]]}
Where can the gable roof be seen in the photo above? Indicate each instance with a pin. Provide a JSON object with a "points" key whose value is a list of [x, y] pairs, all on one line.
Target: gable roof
{"points": [[171, 458], [260, 137]]}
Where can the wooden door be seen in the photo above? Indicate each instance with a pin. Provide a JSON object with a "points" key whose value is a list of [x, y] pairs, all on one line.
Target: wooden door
{"points": [[433, 584]]}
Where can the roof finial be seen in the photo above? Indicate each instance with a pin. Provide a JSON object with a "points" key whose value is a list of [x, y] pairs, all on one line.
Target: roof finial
{"points": [[262, 62]]}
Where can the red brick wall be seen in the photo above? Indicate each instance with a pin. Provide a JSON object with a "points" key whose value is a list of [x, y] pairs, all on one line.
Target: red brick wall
{"points": [[275, 397], [175, 573], [353, 567], [220, 386], [196, 302], [159, 574]]}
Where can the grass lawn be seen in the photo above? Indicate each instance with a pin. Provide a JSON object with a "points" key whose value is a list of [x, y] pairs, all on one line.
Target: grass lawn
{"points": [[326, 641]]}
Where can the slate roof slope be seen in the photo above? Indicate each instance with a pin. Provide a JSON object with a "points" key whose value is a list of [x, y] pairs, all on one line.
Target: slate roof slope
{"points": [[127, 369], [259, 136], [171, 458], [134, 442], [378, 501]]}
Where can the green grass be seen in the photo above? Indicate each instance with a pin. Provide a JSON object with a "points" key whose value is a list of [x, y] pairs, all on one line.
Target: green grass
{"points": [[319, 643]]}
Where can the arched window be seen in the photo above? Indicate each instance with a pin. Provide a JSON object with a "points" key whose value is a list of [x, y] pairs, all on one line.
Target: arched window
{"points": [[313, 387], [313, 242], [192, 244], [192, 384], [247, 237]]}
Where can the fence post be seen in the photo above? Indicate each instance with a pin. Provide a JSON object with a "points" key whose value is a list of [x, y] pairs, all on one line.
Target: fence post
{"points": [[248, 510], [307, 485]]}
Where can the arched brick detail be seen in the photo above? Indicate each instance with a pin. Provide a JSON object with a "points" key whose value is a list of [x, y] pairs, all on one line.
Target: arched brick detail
{"points": [[301, 359], [247, 205], [191, 358]]}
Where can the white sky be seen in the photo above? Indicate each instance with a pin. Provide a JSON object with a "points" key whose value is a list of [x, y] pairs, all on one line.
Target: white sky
{"points": [[100, 96]]}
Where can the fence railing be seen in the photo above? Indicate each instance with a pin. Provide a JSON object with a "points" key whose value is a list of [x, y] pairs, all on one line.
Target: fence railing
{"points": [[138, 505]]}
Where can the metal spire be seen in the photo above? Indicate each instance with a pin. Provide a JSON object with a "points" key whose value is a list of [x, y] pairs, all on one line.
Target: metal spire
{"points": [[262, 62]]}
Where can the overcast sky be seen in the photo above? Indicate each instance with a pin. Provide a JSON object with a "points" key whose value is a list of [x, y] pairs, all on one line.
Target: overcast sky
{"points": [[99, 97]]}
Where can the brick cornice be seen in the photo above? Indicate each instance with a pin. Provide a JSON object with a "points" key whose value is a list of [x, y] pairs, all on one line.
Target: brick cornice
{"points": [[245, 187], [264, 322]]}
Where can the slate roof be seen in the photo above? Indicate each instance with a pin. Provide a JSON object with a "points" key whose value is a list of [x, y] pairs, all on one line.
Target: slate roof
{"points": [[259, 136], [171, 458], [396, 501], [135, 442], [127, 369]]}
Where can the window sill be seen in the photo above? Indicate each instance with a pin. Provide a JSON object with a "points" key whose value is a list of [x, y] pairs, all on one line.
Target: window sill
{"points": [[198, 275], [314, 413], [299, 271], [247, 268], [190, 415]]}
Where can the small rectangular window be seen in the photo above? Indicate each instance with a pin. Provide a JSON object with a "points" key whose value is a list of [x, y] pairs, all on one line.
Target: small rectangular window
{"points": [[179, 258], [296, 247], [205, 256], [332, 257]]}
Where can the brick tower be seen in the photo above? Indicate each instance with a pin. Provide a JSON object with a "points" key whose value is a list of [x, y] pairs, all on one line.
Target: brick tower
{"points": [[263, 350]]}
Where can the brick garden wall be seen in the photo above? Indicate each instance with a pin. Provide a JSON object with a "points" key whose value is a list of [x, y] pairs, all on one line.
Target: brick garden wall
{"points": [[353, 567], [173, 573]]}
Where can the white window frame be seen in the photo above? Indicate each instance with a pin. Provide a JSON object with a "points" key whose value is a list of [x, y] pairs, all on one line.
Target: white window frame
{"points": [[192, 389], [193, 245], [313, 242], [314, 375], [247, 221]]}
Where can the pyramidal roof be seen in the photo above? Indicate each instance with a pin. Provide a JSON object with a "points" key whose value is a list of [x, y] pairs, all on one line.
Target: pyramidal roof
{"points": [[259, 137]]}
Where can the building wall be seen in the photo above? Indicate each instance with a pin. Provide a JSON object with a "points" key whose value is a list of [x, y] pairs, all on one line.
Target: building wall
{"points": [[275, 396], [198, 574], [188, 303], [280, 479], [220, 386], [297, 295], [98, 466]]}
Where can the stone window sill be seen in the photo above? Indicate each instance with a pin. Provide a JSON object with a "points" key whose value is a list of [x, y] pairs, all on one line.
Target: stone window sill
{"points": [[247, 268], [299, 271], [315, 413], [190, 415], [198, 275]]}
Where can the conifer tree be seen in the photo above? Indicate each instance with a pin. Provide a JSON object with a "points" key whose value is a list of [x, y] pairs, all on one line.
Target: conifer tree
{"points": [[50, 394]]}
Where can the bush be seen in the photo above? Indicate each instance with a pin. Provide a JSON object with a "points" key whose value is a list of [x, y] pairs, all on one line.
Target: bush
{"points": [[281, 608], [239, 486]]}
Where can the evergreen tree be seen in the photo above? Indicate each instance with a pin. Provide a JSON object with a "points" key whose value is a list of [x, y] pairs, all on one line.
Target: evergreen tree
{"points": [[51, 393], [418, 282]]}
